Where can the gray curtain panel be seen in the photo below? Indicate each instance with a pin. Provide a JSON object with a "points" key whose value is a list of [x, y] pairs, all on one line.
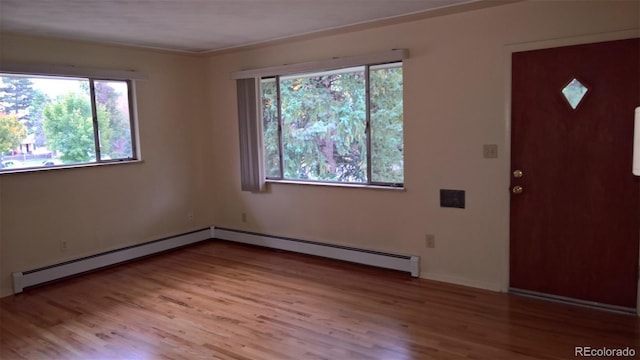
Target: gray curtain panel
{"points": [[251, 178]]}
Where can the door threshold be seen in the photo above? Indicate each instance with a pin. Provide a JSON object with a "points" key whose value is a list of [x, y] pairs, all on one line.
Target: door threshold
{"points": [[572, 301]]}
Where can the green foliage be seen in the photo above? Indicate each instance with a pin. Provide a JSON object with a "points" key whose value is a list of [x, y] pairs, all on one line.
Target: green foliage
{"points": [[387, 147], [18, 96], [68, 127], [270, 128], [324, 126], [115, 133], [324, 122], [65, 124], [17, 93], [12, 132], [34, 123]]}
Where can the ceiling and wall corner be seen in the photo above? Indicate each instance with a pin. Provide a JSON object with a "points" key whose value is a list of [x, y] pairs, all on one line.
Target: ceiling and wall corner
{"points": [[200, 26]]}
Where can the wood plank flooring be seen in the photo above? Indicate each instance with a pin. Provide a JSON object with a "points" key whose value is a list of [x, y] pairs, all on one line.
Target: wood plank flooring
{"points": [[219, 300]]}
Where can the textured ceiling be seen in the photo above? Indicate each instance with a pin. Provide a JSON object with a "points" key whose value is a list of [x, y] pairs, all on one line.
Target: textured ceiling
{"points": [[197, 25]]}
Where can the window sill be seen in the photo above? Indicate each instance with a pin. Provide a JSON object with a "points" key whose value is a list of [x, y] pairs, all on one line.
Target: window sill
{"points": [[64, 167], [339, 185]]}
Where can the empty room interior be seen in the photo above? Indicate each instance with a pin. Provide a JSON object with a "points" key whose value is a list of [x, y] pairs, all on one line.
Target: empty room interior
{"points": [[320, 180]]}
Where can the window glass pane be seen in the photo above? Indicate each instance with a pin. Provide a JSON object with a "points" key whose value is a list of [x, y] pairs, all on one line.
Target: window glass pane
{"points": [[270, 128], [386, 124], [54, 121], [68, 122], [324, 120], [574, 92], [114, 123]]}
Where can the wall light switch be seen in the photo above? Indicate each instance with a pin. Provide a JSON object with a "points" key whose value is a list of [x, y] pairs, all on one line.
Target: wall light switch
{"points": [[430, 241], [490, 151]]}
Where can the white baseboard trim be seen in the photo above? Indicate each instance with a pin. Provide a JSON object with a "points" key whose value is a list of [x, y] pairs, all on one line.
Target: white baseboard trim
{"points": [[25, 279], [408, 263], [462, 281], [572, 301]]}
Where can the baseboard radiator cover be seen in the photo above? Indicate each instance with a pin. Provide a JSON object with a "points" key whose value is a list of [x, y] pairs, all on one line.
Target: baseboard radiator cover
{"points": [[30, 278], [407, 263]]}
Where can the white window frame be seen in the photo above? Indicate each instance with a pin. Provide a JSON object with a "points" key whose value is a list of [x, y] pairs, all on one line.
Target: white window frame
{"points": [[369, 166], [91, 75], [388, 57]]}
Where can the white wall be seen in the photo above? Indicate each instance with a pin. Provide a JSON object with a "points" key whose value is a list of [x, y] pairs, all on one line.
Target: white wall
{"points": [[455, 101]]}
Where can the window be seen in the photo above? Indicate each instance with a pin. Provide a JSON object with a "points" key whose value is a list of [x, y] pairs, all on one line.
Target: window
{"points": [[57, 121], [341, 126]]}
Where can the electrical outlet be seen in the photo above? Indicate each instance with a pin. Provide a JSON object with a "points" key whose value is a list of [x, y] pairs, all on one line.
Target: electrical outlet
{"points": [[430, 241], [63, 245], [190, 216], [244, 217]]}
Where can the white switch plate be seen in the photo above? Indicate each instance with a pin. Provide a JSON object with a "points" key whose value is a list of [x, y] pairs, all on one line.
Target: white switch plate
{"points": [[490, 151]]}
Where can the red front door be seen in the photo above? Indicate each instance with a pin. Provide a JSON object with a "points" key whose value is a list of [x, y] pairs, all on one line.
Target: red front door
{"points": [[575, 203]]}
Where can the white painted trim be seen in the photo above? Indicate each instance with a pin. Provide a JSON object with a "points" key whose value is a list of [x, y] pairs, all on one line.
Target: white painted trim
{"points": [[70, 70], [636, 143], [572, 301], [576, 40], [24, 279], [408, 263], [321, 65], [337, 184], [509, 49], [462, 281]]}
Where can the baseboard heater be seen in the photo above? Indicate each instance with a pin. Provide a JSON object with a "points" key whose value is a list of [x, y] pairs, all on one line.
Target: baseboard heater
{"points": [[408, 263], [25, 279]]}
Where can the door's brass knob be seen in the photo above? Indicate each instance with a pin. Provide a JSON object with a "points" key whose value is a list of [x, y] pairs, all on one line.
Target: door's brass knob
{"points": [[517, 174], [517, 190]]}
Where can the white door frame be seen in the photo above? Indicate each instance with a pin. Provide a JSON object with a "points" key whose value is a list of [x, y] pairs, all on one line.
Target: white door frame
{"points": [[509, 49]]}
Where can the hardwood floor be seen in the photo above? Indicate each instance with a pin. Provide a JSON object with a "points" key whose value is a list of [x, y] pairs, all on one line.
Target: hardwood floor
{"points": [[218, 300]]}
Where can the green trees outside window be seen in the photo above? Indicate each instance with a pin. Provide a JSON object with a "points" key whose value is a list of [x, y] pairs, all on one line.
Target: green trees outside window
{"points": [[337, 126], [12, 131], [63, 120]]}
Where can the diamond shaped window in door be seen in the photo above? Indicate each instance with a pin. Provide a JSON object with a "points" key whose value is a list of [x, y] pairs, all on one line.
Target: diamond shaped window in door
{"points": [[574, 92]]}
